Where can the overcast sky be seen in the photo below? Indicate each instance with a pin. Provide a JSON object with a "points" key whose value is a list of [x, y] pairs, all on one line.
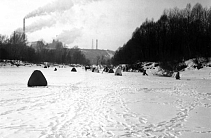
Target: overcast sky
{"points": [[77, 22]]}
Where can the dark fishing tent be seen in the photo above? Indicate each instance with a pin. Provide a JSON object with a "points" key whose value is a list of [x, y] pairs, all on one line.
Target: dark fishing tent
{"points": [[73, 70], [37, 79], [111, 71]]}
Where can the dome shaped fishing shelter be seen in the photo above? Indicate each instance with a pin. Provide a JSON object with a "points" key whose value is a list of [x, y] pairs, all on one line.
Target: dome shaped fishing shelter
{"points": [[111, 71], [73, 70], [37, 79]]}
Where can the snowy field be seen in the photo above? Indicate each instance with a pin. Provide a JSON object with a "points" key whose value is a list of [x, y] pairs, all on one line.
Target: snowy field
{"points": [[95, 105]]}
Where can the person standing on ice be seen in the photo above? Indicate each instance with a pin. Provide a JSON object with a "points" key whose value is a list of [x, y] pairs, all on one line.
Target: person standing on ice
{"points": [[177, 76], [145, 72]]}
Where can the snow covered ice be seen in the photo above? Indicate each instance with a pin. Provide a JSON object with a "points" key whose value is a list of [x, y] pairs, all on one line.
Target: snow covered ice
{"points": [[94, 105]]}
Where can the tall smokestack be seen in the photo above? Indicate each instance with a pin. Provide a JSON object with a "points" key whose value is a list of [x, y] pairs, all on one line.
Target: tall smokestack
{"points": [[24, 29], [92, 44], [96, 44]]}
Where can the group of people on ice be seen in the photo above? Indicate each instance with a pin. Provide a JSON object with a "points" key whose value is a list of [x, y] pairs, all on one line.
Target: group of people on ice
{"points": [[120, 69], [107, 69]]}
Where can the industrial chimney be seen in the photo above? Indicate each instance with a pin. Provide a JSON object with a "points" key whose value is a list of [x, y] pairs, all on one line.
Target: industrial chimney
{"points": [[96, 44], [92, 44], [24, 29]]}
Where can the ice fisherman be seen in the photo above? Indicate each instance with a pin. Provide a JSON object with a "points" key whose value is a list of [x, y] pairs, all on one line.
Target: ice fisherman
{"points": [[177, 76], [145, 73]]}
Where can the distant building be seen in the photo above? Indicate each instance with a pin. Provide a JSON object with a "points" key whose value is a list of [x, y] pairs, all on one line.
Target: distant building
{"points": [[54, 45], [39, 45]]}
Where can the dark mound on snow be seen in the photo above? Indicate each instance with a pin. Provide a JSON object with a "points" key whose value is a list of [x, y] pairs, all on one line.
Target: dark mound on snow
{"points": [[111, 71], [73, 70], [37, 79]]}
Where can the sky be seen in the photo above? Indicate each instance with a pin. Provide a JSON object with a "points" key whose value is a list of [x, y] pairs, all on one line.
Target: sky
{"points": [[81, 22]]}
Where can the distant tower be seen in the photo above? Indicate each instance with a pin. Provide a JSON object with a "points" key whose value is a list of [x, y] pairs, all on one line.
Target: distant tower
{"points": [[92, 44], [96, 44]]}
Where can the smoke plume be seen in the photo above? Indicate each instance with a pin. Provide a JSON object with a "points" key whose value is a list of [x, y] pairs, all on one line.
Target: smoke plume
{"points": [[56, 6], [40, 24], [58, 12], [69, 36]]}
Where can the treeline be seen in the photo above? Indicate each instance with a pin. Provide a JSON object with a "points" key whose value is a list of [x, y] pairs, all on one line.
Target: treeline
{"points": [[14, 48], [178, 35], [62, 56]]}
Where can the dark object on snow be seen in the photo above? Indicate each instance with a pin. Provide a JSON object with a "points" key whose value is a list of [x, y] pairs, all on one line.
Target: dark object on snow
{"points": [[111, 71], [118, 72], [73, 70], [45, 67], [96, 70], [106, 69], [37, 79], [145, 73], [177, 76], [199, 66], [55, 69], [87, 67], [141, 69]]}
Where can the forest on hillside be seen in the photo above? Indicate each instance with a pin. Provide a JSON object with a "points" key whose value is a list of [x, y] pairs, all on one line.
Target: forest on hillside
{"points": [[178, 35], [15, 48]]}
